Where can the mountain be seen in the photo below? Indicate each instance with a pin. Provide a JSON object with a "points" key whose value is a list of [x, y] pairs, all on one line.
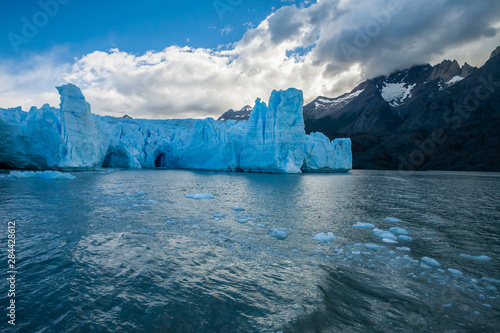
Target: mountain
{"points": [[242, 114], [442, 117]]}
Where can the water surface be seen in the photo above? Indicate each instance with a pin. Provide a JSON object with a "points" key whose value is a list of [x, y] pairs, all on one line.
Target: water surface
{"points": [[124, 250]]}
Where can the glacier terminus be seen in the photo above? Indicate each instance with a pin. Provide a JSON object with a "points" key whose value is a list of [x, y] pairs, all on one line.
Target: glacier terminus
{"points": [[70, 138]]}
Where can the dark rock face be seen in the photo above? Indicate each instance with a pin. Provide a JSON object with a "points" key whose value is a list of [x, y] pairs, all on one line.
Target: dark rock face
{"points": [[242, 114], [444, 117]]}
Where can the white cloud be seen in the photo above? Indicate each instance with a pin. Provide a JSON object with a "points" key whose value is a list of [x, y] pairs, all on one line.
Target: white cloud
{"points": [[324, 49]]}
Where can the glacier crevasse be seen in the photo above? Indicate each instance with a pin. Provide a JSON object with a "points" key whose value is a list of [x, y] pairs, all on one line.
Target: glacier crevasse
{"points": [[72, 138]]}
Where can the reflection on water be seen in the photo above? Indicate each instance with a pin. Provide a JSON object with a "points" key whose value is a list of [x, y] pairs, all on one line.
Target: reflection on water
{"points": [[126, 251]]}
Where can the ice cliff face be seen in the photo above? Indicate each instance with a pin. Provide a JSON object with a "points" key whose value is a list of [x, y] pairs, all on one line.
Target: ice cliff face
{"points": [[72, 138]]}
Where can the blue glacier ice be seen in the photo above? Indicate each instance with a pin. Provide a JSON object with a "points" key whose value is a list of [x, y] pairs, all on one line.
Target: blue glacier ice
{"points": [[72, 138]]}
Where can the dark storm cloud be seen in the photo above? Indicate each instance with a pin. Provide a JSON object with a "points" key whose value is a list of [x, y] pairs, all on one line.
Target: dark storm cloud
{"points": [[387, 35]]}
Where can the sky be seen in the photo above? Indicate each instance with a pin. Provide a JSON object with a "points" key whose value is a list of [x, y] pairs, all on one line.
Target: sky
{"points": [[164, 59]]}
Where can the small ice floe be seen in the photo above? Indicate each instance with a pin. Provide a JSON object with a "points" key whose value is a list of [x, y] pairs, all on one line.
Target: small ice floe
{"points": [[403, 248], [455, 271], [219, 216], [49, 175], [322, 237], [216, 219], [492, 280], [388, 240], [430, 261], [384, 234], [141, 193], [318, 251], [238, 208], [338, 251], [278, 233], [260, 225], [199, 196], [392, 219], [362, 225], [295, 251], [399, 231], [243, 219], [373, 246], [480, 258], [405, 238]]}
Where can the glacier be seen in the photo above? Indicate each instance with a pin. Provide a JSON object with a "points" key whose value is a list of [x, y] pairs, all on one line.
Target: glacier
{"points": [[71, 137]]}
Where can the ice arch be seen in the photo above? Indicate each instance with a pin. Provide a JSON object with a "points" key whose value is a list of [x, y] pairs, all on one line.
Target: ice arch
{"points": [[117, 158]]}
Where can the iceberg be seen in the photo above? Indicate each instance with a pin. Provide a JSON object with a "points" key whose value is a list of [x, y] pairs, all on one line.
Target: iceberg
{"points": [[72, 138], [324, 237], [363, 225], [53, 175], [199, 196], [278, 233], [431, 262], [480, 258]]}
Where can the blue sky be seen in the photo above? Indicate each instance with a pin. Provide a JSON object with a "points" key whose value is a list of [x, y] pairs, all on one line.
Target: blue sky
{"points": [[180, 59], [80, 27]]}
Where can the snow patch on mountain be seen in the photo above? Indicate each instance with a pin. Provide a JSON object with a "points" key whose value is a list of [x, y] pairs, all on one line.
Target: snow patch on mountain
{"points": [[338, 102], [455, 79], [396, 93]]}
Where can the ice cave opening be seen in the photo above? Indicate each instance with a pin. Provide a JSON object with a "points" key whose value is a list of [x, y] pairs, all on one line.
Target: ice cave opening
{"points": [[116, 158], [161, 161]]}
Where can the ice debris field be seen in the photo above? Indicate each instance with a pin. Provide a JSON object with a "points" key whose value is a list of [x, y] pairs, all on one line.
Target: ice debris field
{"points": [[72, 138], [250, 236]]}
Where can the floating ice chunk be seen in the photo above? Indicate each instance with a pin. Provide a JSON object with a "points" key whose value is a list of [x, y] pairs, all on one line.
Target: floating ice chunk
{"points": [[363, 225], [238, 208], [318, 251], [399, 231], [430, 261], [51, 175], [279, 233], [449, 305], [492, 280], [403, 248], [388, 240], [141, 193], [384, 234], [425, 266], [243, 220], [373, 246], [405, 238], [216, 219], [392, 219], [199, 196], [220, 216], [322, 237], [295, 251], [260, 225], [455, 271], [480, 258]]}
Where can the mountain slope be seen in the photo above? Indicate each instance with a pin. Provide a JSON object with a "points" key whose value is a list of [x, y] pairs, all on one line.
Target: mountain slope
{"points": [[449, 119]]}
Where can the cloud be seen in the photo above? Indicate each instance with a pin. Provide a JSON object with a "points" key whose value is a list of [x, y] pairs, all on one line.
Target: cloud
{"points": [[226, 30], [324, 49]]}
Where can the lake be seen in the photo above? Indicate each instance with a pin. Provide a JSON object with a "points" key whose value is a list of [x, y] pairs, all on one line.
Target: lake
{"points": [[125, 250]]}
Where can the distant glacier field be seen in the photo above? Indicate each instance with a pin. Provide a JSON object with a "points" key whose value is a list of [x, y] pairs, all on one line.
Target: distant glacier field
{"points": [[186, 251]]}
